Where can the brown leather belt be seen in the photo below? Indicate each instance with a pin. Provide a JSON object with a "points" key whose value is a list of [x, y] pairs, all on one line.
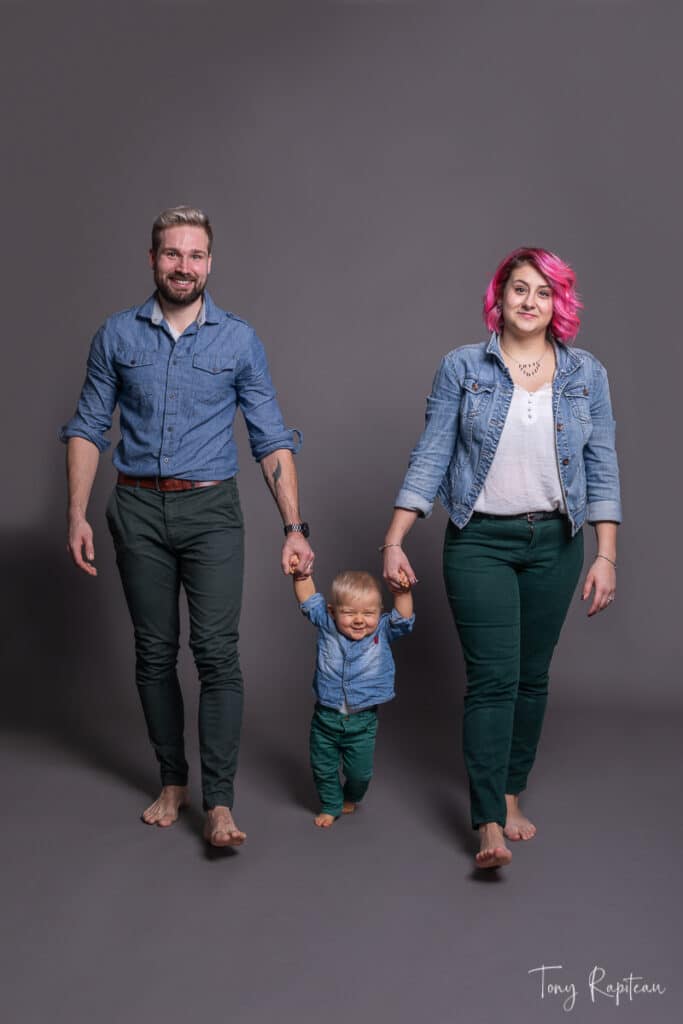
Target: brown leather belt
{"points": [[164, 483]]}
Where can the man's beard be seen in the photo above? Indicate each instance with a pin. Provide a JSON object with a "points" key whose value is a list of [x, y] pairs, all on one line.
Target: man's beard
{"points": [[179, 298]]}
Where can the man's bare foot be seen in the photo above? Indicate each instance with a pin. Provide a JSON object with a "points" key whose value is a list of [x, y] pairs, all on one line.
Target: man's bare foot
{"points": [[323, 820], [493, 853], [348, 807], [517, 825], [164, 811], [220, 828]]}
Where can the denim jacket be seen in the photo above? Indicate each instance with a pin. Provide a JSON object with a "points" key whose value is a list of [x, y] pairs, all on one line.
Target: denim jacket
{"points": [[466, 412], [359, 673]]}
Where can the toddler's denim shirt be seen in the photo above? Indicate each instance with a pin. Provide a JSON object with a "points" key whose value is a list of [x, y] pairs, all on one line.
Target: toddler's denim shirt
{"points": [[355, 673]]}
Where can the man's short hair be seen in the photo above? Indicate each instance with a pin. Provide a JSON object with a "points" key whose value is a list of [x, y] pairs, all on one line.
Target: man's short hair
{"points": [[176, 215], [354, 584]]}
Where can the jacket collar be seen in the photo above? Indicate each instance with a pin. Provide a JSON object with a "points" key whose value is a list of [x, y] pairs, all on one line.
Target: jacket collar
{"points": [[567, 359]]}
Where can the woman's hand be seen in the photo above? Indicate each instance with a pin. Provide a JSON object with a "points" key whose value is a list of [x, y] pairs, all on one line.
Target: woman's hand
{"points": [[601, 578], [397, 569]]}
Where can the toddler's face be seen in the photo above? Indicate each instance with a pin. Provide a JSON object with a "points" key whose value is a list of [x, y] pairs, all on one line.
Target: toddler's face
{"points": [[357, 617]]}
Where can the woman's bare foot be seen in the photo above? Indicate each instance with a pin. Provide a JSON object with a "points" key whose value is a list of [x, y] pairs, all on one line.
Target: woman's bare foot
{"points": [[220, 828], [348, 807], [323, 820], [493, 853], [164, 811], [517, 825]]}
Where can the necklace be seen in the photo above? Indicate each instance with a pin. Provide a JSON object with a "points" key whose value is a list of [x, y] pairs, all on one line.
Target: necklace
{"points": [[531, 368]]}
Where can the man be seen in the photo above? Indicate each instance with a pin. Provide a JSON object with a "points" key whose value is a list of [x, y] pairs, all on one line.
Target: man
{"points": [[179, 367]]}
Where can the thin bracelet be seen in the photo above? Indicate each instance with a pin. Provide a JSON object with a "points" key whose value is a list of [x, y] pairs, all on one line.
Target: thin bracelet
{"points": [[385, 546], [607, 559]]}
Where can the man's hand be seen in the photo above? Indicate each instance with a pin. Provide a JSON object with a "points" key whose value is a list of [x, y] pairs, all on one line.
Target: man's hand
{"points": [[297, 547], [80, 544]]}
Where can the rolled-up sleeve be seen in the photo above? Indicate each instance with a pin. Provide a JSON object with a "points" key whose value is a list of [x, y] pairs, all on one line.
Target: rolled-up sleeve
{"points": [[315, 610], [97, 401], [600, 457], [258, 402], [431, 455]]}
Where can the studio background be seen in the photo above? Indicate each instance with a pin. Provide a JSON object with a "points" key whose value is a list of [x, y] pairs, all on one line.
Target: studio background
{"points": [[365, 167]]}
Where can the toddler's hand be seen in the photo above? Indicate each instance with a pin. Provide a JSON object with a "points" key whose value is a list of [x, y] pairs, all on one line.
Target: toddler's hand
{"points": [[403, 580], [293, 564]]}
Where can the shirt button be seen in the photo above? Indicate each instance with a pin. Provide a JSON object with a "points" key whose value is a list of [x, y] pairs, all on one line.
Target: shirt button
{"points": [[172, 395], [565, 462], [585, 391], [475, 387], [560, 426], [165, 460]]}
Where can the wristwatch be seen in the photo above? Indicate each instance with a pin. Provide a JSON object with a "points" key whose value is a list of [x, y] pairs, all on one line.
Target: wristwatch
{"points": [[297, 528]]}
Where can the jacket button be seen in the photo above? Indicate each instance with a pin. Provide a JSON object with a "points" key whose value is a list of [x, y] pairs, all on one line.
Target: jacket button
{"points": [[585, 391], [565, 462], [560, 426]]}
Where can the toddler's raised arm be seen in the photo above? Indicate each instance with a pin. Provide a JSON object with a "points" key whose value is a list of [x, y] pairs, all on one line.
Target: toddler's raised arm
{"points": [[403, 600], [304, 587]]}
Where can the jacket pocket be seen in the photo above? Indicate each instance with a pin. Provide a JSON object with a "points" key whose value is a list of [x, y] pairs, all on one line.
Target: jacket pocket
{"points": [[578, 396]]}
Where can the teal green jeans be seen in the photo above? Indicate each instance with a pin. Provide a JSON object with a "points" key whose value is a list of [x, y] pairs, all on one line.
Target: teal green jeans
{"points": [[509, 584], [192, 539], [349, 739]]}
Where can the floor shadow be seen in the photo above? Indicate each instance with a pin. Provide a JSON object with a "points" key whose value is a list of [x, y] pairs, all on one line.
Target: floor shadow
{"points": [[63, 644]]}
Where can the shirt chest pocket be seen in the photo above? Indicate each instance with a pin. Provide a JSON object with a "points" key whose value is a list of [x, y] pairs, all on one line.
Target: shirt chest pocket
{"points": [[136, 376], [213, 376]]}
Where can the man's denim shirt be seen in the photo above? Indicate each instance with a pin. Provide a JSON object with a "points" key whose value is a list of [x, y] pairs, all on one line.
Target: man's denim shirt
{"points": [[358, 673], [466, 412], [178, 400]]}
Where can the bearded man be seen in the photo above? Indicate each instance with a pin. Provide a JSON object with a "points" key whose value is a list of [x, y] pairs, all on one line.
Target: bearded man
{"points": [[179, 368]]}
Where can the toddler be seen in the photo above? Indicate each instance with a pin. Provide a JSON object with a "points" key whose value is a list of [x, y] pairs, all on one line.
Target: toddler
{"points": [[354, 673]]}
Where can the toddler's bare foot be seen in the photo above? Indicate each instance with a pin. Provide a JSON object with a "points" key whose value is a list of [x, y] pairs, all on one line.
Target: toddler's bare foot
{"points": [[324, 820], [220, 828], [348, 807], [493, 853], [517, 825], [164, 811]]}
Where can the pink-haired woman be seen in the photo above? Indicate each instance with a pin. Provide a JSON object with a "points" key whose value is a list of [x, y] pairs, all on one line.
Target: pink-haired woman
{"points": [[519, 447]]}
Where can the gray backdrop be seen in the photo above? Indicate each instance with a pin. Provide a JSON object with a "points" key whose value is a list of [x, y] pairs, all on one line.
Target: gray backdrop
{"points": [[365, 166]]}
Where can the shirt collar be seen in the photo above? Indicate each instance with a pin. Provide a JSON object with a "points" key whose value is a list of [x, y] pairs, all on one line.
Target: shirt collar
{"points": [[151, 310]]}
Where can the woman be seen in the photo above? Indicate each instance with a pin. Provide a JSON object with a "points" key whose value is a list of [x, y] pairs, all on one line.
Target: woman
{"points": [[519, 446]]}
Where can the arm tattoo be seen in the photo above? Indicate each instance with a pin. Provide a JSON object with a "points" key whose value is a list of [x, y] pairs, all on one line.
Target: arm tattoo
{"points": [[277, 473]]}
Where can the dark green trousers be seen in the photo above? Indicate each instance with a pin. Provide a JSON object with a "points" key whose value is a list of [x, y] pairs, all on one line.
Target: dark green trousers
{"points": [[349, 739], [509, 584], [194, 539]]}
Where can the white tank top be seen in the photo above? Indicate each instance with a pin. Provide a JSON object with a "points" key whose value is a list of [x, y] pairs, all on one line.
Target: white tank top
{"points": [[524, 476]]}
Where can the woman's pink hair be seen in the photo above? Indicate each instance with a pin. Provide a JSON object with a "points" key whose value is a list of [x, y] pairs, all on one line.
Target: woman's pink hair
{"points": [[559, 275]]}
